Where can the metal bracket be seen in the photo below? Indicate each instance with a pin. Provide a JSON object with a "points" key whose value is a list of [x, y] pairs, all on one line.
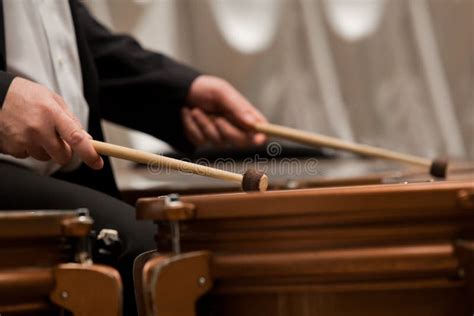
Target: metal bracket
{"points": [[80, 227], [172, 201]]}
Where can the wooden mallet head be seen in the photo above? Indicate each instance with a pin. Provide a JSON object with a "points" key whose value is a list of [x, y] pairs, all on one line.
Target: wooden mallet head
{"points": [[254, 180], [439, 168]]}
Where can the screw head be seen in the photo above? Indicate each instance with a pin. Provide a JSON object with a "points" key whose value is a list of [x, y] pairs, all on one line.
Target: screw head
{"points": [[64, 295], [202, 281]]}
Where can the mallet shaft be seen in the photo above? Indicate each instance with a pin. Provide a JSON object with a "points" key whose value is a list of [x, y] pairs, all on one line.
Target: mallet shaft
{"points": [[326, 141], [164, 162]]}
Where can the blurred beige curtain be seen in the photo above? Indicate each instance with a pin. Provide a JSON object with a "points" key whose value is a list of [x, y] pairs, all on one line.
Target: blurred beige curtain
{"points": [[393, 73]]}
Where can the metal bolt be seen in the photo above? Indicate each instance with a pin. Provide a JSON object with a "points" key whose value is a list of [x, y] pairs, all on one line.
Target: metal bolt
{"points": [[174, 197], [202, 281], [175, 237], [64, 295]]}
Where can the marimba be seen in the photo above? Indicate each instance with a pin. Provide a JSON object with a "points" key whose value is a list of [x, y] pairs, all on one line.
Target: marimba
{"points": [[286, 169], [383, 249], [45, 266], [142, 182]]}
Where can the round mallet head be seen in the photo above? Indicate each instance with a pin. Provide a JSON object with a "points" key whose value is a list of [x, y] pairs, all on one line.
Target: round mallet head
{"points": [[439, 168], [254, 180]]}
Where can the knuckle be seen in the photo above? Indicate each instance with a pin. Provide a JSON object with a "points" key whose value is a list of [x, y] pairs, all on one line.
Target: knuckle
{"points": [[33, 129], [60, 100], [196, 113], [43, 102], [46, 109], [51, 95], [220, 122], [75, 137], [221, 87]]}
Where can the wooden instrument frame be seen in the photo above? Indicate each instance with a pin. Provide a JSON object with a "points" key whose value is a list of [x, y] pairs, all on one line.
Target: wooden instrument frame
{"points": [[44, 266], [338, 245]]}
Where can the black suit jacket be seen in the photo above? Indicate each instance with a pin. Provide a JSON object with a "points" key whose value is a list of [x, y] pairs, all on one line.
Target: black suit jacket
{"points": [[123, 83]]}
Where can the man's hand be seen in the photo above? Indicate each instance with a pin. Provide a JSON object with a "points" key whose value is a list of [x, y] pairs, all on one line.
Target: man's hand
{"points": [[217, 113], [36, 122]]}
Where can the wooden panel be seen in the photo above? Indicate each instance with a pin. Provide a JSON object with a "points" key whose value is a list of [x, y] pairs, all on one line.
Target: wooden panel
{"points": [[341, 264], [24, 224], [431, 302]]}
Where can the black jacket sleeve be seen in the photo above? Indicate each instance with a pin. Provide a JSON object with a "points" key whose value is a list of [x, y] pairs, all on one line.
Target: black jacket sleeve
{"points": [[5, 82], [138, 88]]}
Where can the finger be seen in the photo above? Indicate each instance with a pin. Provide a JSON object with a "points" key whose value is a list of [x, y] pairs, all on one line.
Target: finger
{"points": [[38, 153], [77, 138], [15, 149], [191, 129], [207, 127], [231, 133], [238, 109], [64, 106], [259, 138], [66, 109], [58, 149], [238, 137]]}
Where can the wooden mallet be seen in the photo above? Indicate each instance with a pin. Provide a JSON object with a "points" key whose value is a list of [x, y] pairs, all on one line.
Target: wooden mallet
{"points": [[251, 180], [437, 167]]}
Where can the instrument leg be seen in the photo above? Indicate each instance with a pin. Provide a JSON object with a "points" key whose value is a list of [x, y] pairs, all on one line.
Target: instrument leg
{"points": [[138, 265], [88, 289], [174, 283]]}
